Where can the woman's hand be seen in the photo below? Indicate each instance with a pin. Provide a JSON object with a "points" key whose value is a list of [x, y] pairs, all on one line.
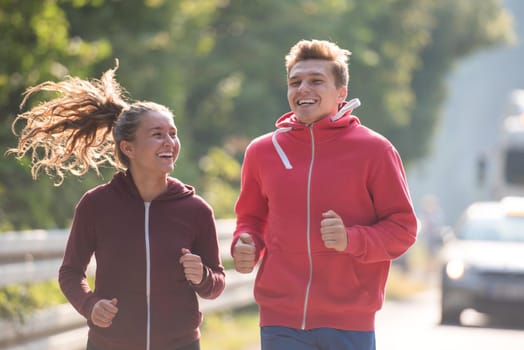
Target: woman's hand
{"points": [[193, 267], [104, 312]]}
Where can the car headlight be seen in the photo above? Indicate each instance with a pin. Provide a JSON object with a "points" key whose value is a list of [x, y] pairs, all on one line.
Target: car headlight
{"points": [[455, 269]]}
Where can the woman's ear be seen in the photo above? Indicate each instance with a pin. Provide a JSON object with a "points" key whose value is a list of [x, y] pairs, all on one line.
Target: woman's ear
{"points": [[126, 148]]}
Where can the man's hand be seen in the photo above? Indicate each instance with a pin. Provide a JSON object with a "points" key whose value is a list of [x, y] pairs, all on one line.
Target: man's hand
{"points": [[103, 312], [244, 253], [333, 231], [193, 267]]}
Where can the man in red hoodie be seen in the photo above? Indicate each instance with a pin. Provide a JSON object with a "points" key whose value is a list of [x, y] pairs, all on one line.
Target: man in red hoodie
{"points": [[325, 206]]}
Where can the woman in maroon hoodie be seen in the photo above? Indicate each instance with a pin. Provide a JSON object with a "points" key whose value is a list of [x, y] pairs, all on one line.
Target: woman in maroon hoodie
{"points": [[153, 238]]}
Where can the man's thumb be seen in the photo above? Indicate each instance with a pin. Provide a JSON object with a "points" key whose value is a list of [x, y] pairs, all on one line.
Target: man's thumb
{"points": [[185, 251], [330, 214], [246, 238], [114, 301]]}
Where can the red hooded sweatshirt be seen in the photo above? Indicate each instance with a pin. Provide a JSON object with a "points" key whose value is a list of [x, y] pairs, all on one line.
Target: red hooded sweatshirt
{"points": [[137, 246], [289, 178]]}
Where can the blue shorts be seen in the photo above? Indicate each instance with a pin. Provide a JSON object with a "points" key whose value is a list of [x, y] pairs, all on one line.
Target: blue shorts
{"points": [[283, 338]]}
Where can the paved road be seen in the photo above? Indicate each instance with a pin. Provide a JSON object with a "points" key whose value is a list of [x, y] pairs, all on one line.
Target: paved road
{"points": [[413, 325]]}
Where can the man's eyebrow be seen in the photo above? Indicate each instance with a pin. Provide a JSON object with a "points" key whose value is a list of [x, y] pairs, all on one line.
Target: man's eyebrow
{"points": [[314, 74]]}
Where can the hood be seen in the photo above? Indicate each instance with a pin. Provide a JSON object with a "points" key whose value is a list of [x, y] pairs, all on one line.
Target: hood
{"points": [[123, 182], [343, 118], [289, 121]]}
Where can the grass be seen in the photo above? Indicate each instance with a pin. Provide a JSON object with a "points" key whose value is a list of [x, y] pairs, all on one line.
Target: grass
{"points": [[232, 330], [415, 278], [18, 301], [402, 285]]}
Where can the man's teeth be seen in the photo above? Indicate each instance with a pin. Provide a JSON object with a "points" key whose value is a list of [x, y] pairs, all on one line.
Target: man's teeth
{"points": [[305, 102], [164, 155]]}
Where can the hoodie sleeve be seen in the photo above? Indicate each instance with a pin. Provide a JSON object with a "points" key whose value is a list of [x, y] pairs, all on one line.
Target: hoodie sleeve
{"points": [[251, 208], [206, 246], [79, 249], [396, 228]]}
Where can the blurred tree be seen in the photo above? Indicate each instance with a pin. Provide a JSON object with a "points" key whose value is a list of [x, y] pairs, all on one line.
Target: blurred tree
{"points": [[461, 28], [36, 46], [220, 66], [220, 181], [400, 59], [159, 44]]}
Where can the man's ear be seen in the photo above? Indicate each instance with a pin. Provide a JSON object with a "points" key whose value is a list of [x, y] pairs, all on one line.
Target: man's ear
{"points": [[342, 94]]}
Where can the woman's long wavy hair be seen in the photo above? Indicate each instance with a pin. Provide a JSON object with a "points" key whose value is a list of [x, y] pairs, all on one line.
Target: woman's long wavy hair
{"points": [[79, 129]]}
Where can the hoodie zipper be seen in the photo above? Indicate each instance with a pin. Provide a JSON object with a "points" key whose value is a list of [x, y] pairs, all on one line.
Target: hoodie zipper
{"points": [[352, 104], [148, 276], [308, 227]]}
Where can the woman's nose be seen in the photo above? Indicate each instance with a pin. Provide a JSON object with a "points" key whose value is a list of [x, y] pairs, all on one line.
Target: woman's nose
{"points": [[170, 140]]}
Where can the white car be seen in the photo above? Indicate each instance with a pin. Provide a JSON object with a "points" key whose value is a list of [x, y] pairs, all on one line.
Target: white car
{"points": [[483, 262]]}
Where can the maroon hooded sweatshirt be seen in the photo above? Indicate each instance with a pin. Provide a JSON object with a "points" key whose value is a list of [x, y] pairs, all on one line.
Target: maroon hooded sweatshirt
{"points": [[137, 246]]}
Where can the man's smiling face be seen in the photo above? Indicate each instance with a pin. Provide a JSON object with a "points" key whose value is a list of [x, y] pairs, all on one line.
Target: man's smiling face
{"points": [[311, 90]]}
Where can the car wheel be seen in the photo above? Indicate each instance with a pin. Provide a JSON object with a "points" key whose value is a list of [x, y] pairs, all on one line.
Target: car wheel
{"points": [[449, 314], [450, 317]]}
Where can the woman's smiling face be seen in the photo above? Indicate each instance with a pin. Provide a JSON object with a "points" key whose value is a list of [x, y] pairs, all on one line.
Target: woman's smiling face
{"points": [[156, 145]]}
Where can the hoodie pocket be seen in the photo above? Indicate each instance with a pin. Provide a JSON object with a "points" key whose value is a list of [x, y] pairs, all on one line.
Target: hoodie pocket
{"points": [[282, 278]]}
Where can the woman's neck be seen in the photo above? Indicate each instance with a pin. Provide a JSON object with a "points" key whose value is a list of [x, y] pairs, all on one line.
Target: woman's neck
{"points": [[149, 186]]}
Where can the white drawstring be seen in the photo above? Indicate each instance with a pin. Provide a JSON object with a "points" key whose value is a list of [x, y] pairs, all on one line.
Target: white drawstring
{"points": [[279, 149], [352, 104]]}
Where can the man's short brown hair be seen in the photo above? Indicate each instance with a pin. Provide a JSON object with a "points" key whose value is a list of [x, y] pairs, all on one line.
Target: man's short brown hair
{"points": [[321, 50]]}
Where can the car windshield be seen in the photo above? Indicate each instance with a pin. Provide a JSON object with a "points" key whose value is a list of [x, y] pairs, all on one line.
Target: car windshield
{"points": [[504, 229]]}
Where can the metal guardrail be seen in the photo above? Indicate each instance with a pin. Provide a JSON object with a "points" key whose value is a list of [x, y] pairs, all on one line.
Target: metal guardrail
{"points": [[36, 255], [33, 256]]}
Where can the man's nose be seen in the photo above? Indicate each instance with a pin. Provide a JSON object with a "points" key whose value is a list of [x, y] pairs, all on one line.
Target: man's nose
{"points": [[304, 86]]}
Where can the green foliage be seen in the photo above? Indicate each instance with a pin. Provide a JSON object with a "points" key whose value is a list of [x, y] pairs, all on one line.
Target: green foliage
{"points": [[220, 66], [460, 29], [36, 46], [18, 301], [221, 181]]}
